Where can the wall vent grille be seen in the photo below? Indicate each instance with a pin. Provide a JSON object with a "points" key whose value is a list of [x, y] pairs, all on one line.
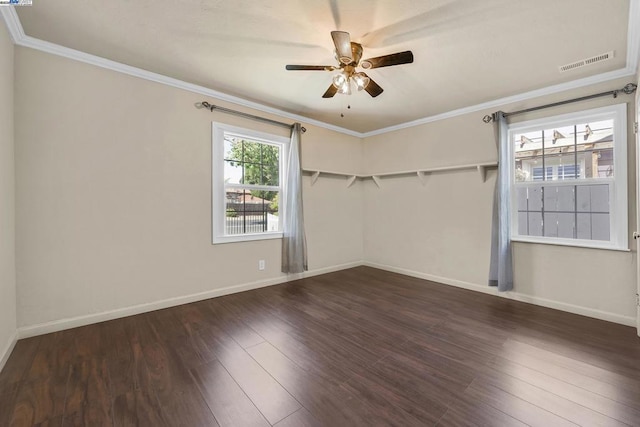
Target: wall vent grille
{"points": [[587, 61]]}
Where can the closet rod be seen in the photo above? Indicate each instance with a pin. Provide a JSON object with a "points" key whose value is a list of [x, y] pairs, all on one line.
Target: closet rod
{"points": [[628, 90], [212, 107]]}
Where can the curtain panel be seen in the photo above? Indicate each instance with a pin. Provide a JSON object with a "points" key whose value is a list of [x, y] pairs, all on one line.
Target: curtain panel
{"points": [[294, 241], [501, 264]]}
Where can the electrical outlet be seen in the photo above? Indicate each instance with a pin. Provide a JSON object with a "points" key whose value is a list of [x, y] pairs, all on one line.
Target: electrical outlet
{"points": [[261, 265]]}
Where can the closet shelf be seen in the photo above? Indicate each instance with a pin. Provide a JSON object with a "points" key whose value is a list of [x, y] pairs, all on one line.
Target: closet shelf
{"points": [[420, 173]]}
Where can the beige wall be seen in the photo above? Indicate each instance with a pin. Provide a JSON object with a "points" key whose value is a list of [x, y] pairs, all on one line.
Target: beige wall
{"points": [[7, 199], [113, 202], [113, 194], [442, 229]]}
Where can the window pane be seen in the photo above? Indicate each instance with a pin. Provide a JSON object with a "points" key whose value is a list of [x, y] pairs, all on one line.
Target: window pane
{"points": [[232, 172], [583, 226], [559, 199], [600, 227], [578, 211], [595, 148], [528, 155], [251, 152], [252, 174], [523, 223], [250, 211], [599, 198], [550, 224], [566, 225], [560, 154], [233, 160], [535, 223], [578, 151], [251, 162], [535, 198], [270, 165], [232, 148]]}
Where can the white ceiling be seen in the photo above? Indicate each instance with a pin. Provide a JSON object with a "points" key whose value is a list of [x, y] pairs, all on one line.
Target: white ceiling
{"points": [[466, 51]]}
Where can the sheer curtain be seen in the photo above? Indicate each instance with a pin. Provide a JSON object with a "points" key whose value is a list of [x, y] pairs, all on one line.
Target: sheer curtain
{"points": [[501, 266], [294, 241]]}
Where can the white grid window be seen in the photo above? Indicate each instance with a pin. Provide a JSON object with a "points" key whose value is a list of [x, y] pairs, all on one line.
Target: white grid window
{"points": [[569, 179], [247, 176]]}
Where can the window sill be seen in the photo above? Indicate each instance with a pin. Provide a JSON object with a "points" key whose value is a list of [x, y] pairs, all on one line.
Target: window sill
{"points": [[571, 243], [246, 238]]}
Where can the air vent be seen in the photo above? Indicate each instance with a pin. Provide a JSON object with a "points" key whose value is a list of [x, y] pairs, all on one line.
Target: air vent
{"points": [[586, 61]]}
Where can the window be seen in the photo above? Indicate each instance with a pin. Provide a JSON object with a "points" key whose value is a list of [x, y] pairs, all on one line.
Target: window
{"points": [[247, 176], [569, 179]]}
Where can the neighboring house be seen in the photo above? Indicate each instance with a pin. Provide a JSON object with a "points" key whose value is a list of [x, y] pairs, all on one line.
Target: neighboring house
{"points": [[583, 154]]}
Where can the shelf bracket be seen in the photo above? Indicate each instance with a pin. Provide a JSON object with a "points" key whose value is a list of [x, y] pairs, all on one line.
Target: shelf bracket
{"points": [[376, 179], [351, 180], [315, 177], [482, 170], [422, 176]]}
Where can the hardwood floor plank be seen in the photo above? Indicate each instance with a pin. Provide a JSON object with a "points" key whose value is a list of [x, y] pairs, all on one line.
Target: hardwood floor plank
{"points": [[7, 405], [551, 402], [573, 374], [420, 382], [232, 323], [88, 393], [513, 406], [52, 422], [53, 358], [330, 404], [137, 408], [228, 403], [273, 401], [586, 398], [622, 382], [188, 408], [394, 403], [166, 374], [38, 401], [304, 351], [359, 347], [18, 363], [300, 418], [471, 413]]}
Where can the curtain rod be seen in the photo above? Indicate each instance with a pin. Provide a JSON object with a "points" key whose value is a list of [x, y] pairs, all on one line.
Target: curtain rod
{"points": [[628, 90], [212, 107]]}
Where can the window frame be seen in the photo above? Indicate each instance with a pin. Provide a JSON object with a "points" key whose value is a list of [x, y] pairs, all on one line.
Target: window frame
{"points": [[218, 186], [618, 196]]}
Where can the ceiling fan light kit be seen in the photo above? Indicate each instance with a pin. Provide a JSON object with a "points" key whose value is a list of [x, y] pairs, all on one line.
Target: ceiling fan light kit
{"points": [[348, 54]]}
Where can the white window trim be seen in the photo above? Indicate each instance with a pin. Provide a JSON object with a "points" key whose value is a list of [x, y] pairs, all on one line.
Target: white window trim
{"points": [[618, 197], [218, 196]]}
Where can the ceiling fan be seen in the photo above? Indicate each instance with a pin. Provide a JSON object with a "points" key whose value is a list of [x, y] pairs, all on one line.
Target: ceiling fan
{"points": [[349, 54]]}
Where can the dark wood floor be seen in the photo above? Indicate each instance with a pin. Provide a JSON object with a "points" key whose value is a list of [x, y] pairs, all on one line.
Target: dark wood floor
{"points": [[361, 347]]}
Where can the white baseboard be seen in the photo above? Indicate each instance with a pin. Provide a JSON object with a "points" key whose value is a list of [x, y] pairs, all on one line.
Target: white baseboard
{"points": [[4, 356], [571, 308], [62, 324], [74, 322]]}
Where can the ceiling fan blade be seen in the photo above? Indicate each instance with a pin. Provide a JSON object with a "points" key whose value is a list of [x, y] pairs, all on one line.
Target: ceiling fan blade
{"points": [[342, 41], [330, 92], [310, 67], [373, 88], [388, 60]]}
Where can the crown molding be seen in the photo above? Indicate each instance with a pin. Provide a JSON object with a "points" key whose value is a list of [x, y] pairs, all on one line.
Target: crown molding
{"points": [[14, 26], [549, 90], [633, 36], [633, 54], [21, 39]]}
